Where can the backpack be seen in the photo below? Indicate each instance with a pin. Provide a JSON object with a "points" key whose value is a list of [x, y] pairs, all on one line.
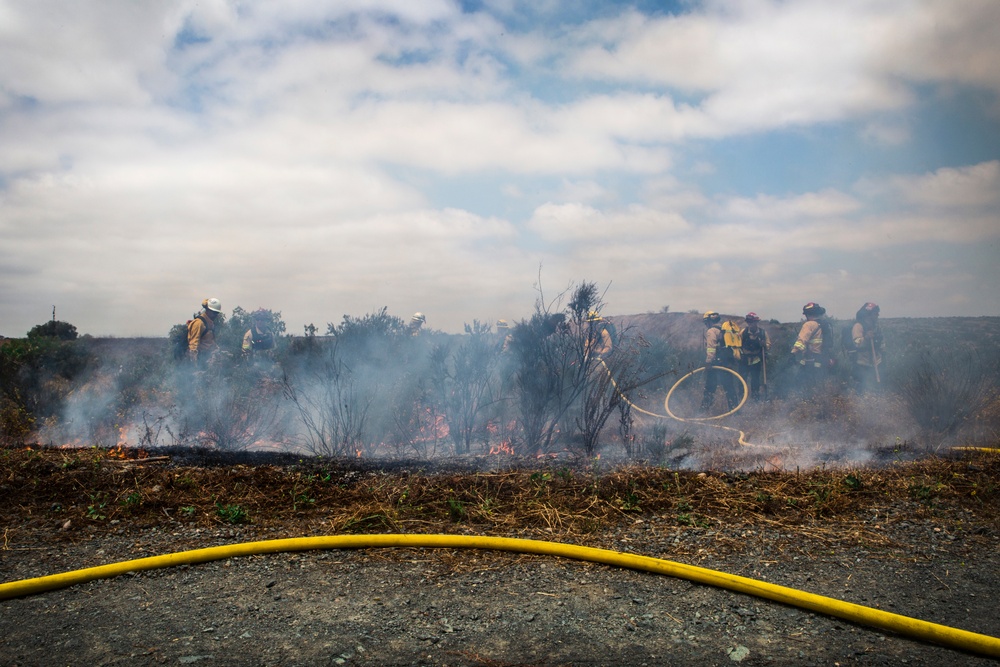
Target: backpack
{"points": [[732, 337], [178, 338], [261, 340], [827, 349], [178, 341], [754, 345]]}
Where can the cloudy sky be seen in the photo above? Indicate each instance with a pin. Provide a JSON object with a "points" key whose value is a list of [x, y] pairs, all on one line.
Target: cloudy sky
{"points": [[323, 157]]}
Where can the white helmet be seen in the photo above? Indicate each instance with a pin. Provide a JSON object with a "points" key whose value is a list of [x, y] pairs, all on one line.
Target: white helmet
{"points": [[212, 304], [418, 317]]}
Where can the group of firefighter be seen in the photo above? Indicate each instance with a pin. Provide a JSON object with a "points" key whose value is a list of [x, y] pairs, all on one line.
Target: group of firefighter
{"points": [[258, 339], [731, 349]]}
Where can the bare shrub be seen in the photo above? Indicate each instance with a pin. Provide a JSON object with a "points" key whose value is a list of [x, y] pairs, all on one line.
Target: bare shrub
{"points": [[333, 405], [238, 411], [945, 389], [463, 377], [655, 442], [987, 420], [363, 388]]}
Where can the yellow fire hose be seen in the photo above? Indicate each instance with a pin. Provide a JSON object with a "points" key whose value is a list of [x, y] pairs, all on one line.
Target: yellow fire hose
{"points": [[666, 403], [902, 625], [702, 420]]}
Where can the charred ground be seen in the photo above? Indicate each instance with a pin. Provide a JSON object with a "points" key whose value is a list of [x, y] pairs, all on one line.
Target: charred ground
{"points": [[44, 488]]}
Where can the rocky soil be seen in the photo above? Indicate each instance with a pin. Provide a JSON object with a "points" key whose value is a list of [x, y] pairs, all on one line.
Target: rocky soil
{"points": [[937, 563]]}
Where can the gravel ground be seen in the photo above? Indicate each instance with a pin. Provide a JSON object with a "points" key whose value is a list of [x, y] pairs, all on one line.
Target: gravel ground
{"points": [[465, 607]]}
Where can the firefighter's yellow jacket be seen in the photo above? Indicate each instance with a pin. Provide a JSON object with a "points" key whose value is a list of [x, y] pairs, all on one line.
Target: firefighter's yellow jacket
{"points": [[810, 340], [201, 337], [713, 342]]}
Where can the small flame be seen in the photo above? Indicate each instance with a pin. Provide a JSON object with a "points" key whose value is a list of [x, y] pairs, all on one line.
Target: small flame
{"points": [[502, 448]]}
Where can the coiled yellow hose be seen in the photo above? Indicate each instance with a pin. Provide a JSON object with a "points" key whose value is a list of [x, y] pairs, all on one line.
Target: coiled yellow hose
{"points": [[666, 401], [746, 393], [903, 625]]}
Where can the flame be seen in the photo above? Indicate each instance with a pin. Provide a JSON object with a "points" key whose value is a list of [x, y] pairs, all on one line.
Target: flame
{"points": [[502, 448], [357, 453]]}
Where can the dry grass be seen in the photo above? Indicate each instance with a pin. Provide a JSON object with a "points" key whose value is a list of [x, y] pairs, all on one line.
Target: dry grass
{"points": [[42, 489]]}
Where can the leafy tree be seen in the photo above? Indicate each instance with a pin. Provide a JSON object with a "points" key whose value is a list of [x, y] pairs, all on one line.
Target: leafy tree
{"points": [[230, 337], [36, 375], [241, 320], [53, 329], [373, 326]]}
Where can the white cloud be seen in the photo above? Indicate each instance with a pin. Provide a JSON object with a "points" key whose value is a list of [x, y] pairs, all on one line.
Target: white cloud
{"points": [[584, 191], [945, 41], [828, 203], [309, 156], [755, 64], [452, 138], [57, 52], [766, 64], [962, 187], [582, 224], [668, 193]]}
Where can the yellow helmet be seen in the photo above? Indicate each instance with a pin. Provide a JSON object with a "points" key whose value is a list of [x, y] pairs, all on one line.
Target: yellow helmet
{"points": [[711, 316], [594, 316]]}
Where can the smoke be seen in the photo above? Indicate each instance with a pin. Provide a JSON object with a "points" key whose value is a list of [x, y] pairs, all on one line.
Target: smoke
{"points": [[375, 388]]}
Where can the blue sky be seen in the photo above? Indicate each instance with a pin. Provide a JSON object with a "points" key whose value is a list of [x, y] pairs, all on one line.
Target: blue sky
{"points": [[330, 157]]}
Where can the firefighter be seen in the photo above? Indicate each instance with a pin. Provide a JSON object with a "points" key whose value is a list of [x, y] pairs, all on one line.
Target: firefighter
{"points": [[258, 341], [416, 322], [810, 347], [718, 354], [599, 341], [754, 347], [201, 332], [868, 345]]}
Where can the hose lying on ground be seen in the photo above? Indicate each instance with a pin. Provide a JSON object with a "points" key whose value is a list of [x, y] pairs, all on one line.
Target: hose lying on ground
{"points": [[903, 625], [666, 402], [701, 420], [746, 393]]}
